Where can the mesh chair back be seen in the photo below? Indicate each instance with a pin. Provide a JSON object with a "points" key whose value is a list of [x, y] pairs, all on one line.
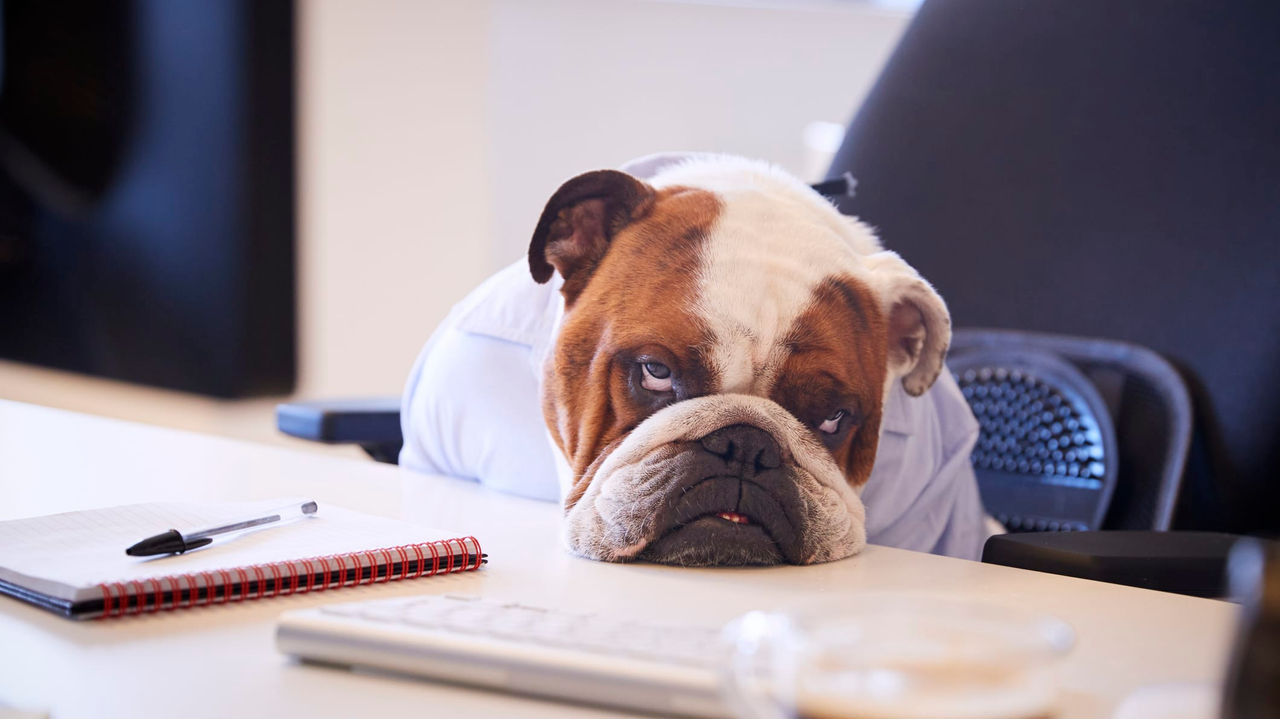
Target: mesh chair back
{"points": [[1077, 433], [1046, 458]]}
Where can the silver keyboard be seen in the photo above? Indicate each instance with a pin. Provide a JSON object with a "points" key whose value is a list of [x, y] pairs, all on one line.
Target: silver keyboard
{"points": [[517, 647]]}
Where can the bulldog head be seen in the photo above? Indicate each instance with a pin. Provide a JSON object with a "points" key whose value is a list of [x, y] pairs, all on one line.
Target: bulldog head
{"points": [[728, 344]]}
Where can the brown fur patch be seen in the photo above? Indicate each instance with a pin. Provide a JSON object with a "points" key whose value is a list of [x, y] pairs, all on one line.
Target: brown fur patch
{"points": [[637, 304], [837, 361]]}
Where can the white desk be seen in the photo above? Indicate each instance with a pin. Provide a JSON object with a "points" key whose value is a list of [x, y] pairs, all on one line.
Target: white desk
{"points": [[221, 661]]}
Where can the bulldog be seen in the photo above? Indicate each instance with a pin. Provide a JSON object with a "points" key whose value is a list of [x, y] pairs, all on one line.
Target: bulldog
{"points": [[714, 349]]}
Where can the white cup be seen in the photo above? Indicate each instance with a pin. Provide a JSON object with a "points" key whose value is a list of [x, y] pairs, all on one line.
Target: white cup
{"points": [[895, 657]]}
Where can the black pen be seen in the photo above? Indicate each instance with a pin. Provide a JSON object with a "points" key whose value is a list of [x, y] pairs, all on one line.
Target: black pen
{"points": [[176, 542]]}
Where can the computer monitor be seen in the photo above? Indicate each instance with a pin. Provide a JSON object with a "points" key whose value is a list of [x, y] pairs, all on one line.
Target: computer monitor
{"points": [[147, 191]]}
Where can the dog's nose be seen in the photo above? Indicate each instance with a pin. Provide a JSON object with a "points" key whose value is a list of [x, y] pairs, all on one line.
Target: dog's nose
{"points": [[744, 446]]}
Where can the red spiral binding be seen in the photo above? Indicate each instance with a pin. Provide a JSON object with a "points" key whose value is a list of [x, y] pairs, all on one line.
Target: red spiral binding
{"points": [[202, 589]]}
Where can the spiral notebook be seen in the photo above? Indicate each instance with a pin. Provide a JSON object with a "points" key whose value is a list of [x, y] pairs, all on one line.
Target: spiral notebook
{"points": [[74, 563]]}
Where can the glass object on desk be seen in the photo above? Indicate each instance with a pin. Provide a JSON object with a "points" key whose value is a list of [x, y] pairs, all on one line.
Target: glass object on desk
{"points": [[1252, 688], [895, 657]]}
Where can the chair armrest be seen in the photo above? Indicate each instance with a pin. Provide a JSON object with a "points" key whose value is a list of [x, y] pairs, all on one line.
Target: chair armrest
{"points": [[1183, 562], [373, 423]]}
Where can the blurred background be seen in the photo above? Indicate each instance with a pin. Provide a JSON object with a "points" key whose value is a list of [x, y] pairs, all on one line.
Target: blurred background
{"points": [[176, 173]]}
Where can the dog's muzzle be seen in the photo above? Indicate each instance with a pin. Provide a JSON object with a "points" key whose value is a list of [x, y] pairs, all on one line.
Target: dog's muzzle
{"points": [[735, 503], [718, 480]]}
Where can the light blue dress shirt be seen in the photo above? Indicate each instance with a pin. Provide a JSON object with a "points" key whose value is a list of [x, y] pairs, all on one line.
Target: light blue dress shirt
{"points": [[472, 408]]}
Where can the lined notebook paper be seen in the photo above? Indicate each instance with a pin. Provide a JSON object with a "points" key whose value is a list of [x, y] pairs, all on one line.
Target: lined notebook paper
{"points": [[74, 563]]}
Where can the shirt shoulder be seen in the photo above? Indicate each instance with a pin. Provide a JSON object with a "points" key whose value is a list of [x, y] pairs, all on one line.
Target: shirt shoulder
{"points": [[510, 306]]}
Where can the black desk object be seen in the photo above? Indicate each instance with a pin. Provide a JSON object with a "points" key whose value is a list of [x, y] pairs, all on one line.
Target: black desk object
{"points": [[1183, 562]]}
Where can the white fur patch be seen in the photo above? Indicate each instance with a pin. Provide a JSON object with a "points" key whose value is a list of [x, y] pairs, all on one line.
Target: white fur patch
{"points": [[774, 242]]}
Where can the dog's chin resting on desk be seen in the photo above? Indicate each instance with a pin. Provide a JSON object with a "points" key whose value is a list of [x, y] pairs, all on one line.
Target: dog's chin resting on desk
{"points": [[719, 355]]}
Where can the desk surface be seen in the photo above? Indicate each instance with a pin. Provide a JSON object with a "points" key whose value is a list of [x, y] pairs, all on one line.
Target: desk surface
{"points": [[222, 661]]}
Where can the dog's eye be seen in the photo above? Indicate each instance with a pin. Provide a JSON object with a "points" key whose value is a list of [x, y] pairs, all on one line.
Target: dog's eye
{"points": [[657, 377], [832, 423]]}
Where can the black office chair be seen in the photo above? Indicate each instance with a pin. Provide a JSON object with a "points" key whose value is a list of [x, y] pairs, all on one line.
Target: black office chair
{"points": [[1101, 169]]}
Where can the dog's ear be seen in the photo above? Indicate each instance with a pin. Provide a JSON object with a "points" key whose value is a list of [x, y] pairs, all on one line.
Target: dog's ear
{"points": [[919, 327], [578, 222]]}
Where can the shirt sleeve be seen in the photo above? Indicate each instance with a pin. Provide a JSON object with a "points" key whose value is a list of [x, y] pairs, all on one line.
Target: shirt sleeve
{"points": [[470, 410], [967, 530], [922, 494]]}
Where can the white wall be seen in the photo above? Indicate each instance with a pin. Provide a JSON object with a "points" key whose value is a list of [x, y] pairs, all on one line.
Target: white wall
{"points": [[394, 204], [431, 133], [577, 85]]}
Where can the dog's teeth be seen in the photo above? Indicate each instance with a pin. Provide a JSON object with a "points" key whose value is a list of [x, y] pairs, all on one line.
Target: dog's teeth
{"points": [[734, 517]]}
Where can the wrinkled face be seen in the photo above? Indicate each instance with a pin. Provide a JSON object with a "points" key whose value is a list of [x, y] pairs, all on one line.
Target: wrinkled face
{"points": [[718, 380]]}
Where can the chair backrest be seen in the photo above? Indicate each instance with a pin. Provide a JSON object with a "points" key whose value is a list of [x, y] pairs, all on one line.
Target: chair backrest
{"points": [[1106, 169], [1077, 433]]}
